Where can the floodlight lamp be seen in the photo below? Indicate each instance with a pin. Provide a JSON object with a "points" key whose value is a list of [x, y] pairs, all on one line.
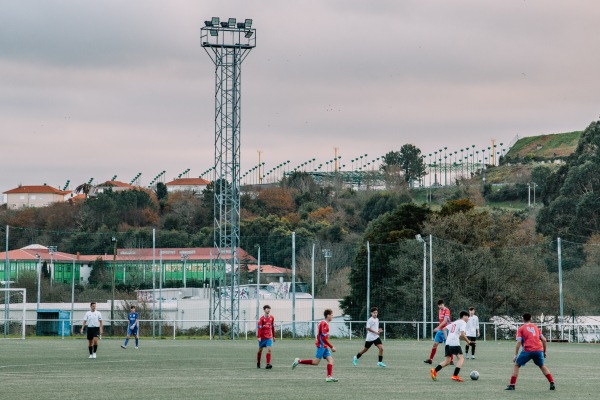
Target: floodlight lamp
{"points": [[248, 23], [231, 22], [208, 23], [241, 25], [215, 21], [248, 34], [224, 25], [214, 32]]}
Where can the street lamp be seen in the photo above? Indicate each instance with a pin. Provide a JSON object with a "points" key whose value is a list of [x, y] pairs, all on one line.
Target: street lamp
{"points": [[421, 240], [327, 255], [52, 250], [184, 258], [39, 277], [114, 276]]}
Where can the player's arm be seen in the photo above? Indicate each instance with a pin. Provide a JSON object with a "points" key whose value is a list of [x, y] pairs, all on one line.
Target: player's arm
{"points": [[273, 329], [544, 343], [463, 335], [259, 329], [83, 326], [517, 350], [101, 327]]}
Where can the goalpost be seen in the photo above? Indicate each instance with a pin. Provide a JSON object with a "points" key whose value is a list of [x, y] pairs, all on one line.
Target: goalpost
{"points": [[13, 312]]}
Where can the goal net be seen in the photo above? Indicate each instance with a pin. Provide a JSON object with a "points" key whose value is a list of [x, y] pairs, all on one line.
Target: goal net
{"points": [[13, 312]]}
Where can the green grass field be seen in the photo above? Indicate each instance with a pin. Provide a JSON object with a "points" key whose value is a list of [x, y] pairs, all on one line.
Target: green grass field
{"points": [[198, 369]]}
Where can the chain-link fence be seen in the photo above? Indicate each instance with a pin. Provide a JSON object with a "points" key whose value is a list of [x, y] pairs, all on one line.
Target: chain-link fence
{"points": [[176, 281]]}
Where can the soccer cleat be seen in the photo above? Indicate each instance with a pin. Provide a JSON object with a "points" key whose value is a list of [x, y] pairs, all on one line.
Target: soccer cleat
{"points": [[295, 363], [123, 347], [257, 365], [433, 374], [330, 379], [473, 357], [91, 356], [381, 364], [136, 347], [94, 355], [428, 362], [457, 378], [355, 361], [451, 363], [269, 366], [467, 357], [552, 387], [510, 387]]}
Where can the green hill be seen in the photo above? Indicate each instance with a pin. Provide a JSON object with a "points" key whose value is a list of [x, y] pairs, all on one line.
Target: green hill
{"points": [[543, 147]]}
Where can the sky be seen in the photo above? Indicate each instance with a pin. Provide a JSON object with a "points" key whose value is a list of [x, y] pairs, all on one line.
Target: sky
{"points": [[97, 89]]}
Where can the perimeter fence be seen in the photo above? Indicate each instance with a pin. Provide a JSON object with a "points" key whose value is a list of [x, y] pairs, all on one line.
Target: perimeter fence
{"points": [[173, 276]]}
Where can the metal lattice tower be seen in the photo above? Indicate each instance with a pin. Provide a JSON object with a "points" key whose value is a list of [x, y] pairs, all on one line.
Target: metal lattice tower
{"points": [[227, 44]]}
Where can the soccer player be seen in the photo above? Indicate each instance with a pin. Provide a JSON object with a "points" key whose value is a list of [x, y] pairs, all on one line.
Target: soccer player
{"points": [[95, 326], [534, 348], [444, 317], [266, 336], [455, 331], [132, 327], [324, 348], [373, 331], [472, 332]]}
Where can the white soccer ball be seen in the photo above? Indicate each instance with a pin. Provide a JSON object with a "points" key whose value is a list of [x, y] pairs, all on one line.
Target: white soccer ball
{"points": [[474, 375]]}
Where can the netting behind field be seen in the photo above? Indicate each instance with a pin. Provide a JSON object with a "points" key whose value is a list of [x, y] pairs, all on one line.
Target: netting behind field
{"points": [[176, 279]]}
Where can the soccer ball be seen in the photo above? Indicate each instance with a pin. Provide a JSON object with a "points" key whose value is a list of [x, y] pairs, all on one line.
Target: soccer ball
{"points": [[474, 375]]}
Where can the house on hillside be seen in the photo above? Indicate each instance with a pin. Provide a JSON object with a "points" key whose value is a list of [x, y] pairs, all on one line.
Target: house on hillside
{"points": [[115, 186], [195, 185], [34, 196]]}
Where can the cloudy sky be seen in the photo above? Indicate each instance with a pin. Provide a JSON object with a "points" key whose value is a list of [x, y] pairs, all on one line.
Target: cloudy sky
{"points": [[96, 89]]}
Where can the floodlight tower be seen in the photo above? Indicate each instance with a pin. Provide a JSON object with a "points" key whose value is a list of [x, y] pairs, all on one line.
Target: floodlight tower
{"points": [[228, 44]]}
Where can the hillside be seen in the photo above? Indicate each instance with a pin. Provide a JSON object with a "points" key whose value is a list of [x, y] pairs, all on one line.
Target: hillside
{"points": [[543, 147]]}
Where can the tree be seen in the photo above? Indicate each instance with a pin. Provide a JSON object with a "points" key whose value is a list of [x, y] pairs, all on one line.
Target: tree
{"points": [[573, 192], [411, 163], [84, 188], [161, 191]]}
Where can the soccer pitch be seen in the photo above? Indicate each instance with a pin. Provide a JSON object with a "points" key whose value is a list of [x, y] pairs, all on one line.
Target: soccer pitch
{"points": [[198, 369]]}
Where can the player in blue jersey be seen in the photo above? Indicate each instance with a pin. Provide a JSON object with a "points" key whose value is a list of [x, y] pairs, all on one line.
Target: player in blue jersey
{"points": [[132, 327]]}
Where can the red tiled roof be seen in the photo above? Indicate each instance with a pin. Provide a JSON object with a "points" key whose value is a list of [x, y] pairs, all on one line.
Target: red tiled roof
{"points": [[115, 184], [169, 254], [188, 182], [37, 189], [269, 269]]}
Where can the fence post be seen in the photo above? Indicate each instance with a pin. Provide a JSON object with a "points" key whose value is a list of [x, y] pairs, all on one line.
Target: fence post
{"points": [[495, 332], [384, 330], [484, 324], [418, 329], [174, 322], [350, 330]]}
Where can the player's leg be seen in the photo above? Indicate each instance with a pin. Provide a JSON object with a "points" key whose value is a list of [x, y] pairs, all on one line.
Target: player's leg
{"points": [[137, 338], [457, 350], [95, 346], [433, 371], [259, 355], [522, 359], [315, 361], [361, 352], [380, 355], [473, 341], [124, 346], [91, 346], [439, 338], [539, 361], [269, 366], [329, 359]]}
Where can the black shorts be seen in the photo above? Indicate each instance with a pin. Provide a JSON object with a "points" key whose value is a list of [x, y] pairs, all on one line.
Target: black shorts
{"points": [[375, 342], [472, 338], [453, 350], [93, 332]]}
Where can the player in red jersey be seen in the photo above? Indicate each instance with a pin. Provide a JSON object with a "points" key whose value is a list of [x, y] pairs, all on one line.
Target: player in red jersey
{"points": [[266, 336], [444, 316], [323, 347], [534, 348]]}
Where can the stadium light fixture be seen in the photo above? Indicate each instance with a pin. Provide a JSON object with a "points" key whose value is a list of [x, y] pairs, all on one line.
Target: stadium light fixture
{"points": [[215, 21], [231, 22], [248, 34], [208, 23], [241, 25], [248, 23], [214, 32], [224, 24]]}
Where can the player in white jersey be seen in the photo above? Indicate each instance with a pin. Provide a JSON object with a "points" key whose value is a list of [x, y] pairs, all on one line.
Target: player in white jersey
{"points": [[454, 332], [472, 332], [93, 320], [373, 331]]}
